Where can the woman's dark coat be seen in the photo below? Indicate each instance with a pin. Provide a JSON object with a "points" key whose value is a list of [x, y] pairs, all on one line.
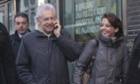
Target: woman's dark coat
{"points": [[7, 62]]}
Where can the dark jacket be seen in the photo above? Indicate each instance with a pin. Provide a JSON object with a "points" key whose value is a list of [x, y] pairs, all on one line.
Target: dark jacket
{"points": [[134, 68], [15, 42], [110, 65], [7, 62], [43, 60]]}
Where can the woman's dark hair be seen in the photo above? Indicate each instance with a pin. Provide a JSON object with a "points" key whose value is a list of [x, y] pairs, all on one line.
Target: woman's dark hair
{"points": [[115, 22]]}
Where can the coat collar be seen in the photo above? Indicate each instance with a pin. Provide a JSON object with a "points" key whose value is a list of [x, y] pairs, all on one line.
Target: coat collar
{"points": [[17, 36], [109, 41], [41, 34]]}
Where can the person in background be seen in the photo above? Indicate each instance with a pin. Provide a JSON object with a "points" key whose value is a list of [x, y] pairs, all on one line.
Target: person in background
{"points": [[7, 63], [43, 54], [112, 60], [133, 76], [21, 23]]}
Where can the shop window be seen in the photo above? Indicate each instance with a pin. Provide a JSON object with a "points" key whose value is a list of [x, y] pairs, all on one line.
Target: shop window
{"points": [[26, 3], [32, 2], [2, 16], [11, 17], [82, 17], [28, 7], [23, 5], [32, 19]]}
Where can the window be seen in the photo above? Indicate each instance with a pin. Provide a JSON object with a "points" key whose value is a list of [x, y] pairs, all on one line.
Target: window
{"points": [[28, 7], [2, 15], [11, 17], [82, 17]]}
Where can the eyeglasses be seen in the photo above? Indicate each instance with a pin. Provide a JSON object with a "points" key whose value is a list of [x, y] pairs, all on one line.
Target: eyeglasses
{"points": [[49, 18]]}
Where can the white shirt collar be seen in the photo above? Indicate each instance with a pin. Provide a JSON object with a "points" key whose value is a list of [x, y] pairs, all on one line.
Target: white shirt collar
{"points": [[40, 29], [20, 35]]}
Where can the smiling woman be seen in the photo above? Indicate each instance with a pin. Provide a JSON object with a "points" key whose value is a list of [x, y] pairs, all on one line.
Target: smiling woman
{"points": [[82, 18], [112, 60], [111, 26]]}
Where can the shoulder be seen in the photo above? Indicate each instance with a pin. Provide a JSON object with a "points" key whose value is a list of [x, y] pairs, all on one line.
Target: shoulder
{"points": [[64, 32], [3, 28], [30, 34], [93, 42], [12, 36]]}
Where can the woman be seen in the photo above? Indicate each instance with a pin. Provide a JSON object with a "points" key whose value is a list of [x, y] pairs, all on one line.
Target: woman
{"points": [[111, 63]]}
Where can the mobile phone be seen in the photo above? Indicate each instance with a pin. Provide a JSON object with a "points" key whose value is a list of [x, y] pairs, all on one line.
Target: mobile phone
{"points": [[55, 27]]}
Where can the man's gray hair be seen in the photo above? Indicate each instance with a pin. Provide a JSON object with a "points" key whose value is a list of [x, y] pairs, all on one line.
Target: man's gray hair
{"points": [[44, 7]]}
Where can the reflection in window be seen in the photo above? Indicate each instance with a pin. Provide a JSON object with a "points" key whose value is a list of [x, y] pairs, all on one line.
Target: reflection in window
{"points": [[32, 20], [23, 5], [2, 16], [32, 2], [53, 2], [28, 7], [11, 17], [82, 17], [46, 1]]}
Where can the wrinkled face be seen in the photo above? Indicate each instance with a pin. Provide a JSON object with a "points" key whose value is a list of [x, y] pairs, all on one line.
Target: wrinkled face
{"points": [[107, 29], [21, 25], [47, 20]]}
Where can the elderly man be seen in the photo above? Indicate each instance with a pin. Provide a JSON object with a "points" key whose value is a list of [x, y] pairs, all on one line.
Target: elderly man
{"points": [[7, 64], [43, 54]]}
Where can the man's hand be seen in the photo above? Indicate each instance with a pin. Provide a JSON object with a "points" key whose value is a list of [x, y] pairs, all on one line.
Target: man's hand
{"points": [[57, 28]]}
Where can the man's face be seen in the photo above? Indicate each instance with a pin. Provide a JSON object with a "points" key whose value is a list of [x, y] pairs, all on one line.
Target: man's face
{"points": [[21, 25], [46, 21]]}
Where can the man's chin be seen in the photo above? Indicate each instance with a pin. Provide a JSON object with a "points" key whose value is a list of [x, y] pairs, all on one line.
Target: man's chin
{"points": [[22, 33]]}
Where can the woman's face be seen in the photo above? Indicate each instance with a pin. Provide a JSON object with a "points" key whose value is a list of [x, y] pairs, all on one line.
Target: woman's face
{"points": [[107, 29]]}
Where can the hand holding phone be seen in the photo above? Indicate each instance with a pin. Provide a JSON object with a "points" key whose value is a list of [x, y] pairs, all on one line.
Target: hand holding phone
{"points": [[57, 28]]}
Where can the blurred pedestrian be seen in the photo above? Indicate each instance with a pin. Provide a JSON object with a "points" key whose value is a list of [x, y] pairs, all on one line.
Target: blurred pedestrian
{"points": [[21, 23], [7, 62]]}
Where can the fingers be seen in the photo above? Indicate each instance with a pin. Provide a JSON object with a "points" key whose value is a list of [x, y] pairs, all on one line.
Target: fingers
{"points": [[57, 24]]}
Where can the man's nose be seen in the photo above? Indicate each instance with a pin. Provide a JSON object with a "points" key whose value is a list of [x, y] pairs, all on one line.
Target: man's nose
{"points": [[20, 25]]}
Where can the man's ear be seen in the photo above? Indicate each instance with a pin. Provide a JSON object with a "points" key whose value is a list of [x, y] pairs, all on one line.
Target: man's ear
{"points": [[38, 21]]}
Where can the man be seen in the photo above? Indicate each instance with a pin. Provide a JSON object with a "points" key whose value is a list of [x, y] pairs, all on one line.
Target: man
{"points": [[43, 54], [133, 76], [21, 23], [7, 64]]}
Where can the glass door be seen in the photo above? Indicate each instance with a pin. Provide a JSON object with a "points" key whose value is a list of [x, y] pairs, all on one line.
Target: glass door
{"points": [[2, 15], [7, 15]]}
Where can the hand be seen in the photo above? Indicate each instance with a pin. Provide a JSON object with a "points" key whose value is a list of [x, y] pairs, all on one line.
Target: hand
{"points": [[57, 28]]}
